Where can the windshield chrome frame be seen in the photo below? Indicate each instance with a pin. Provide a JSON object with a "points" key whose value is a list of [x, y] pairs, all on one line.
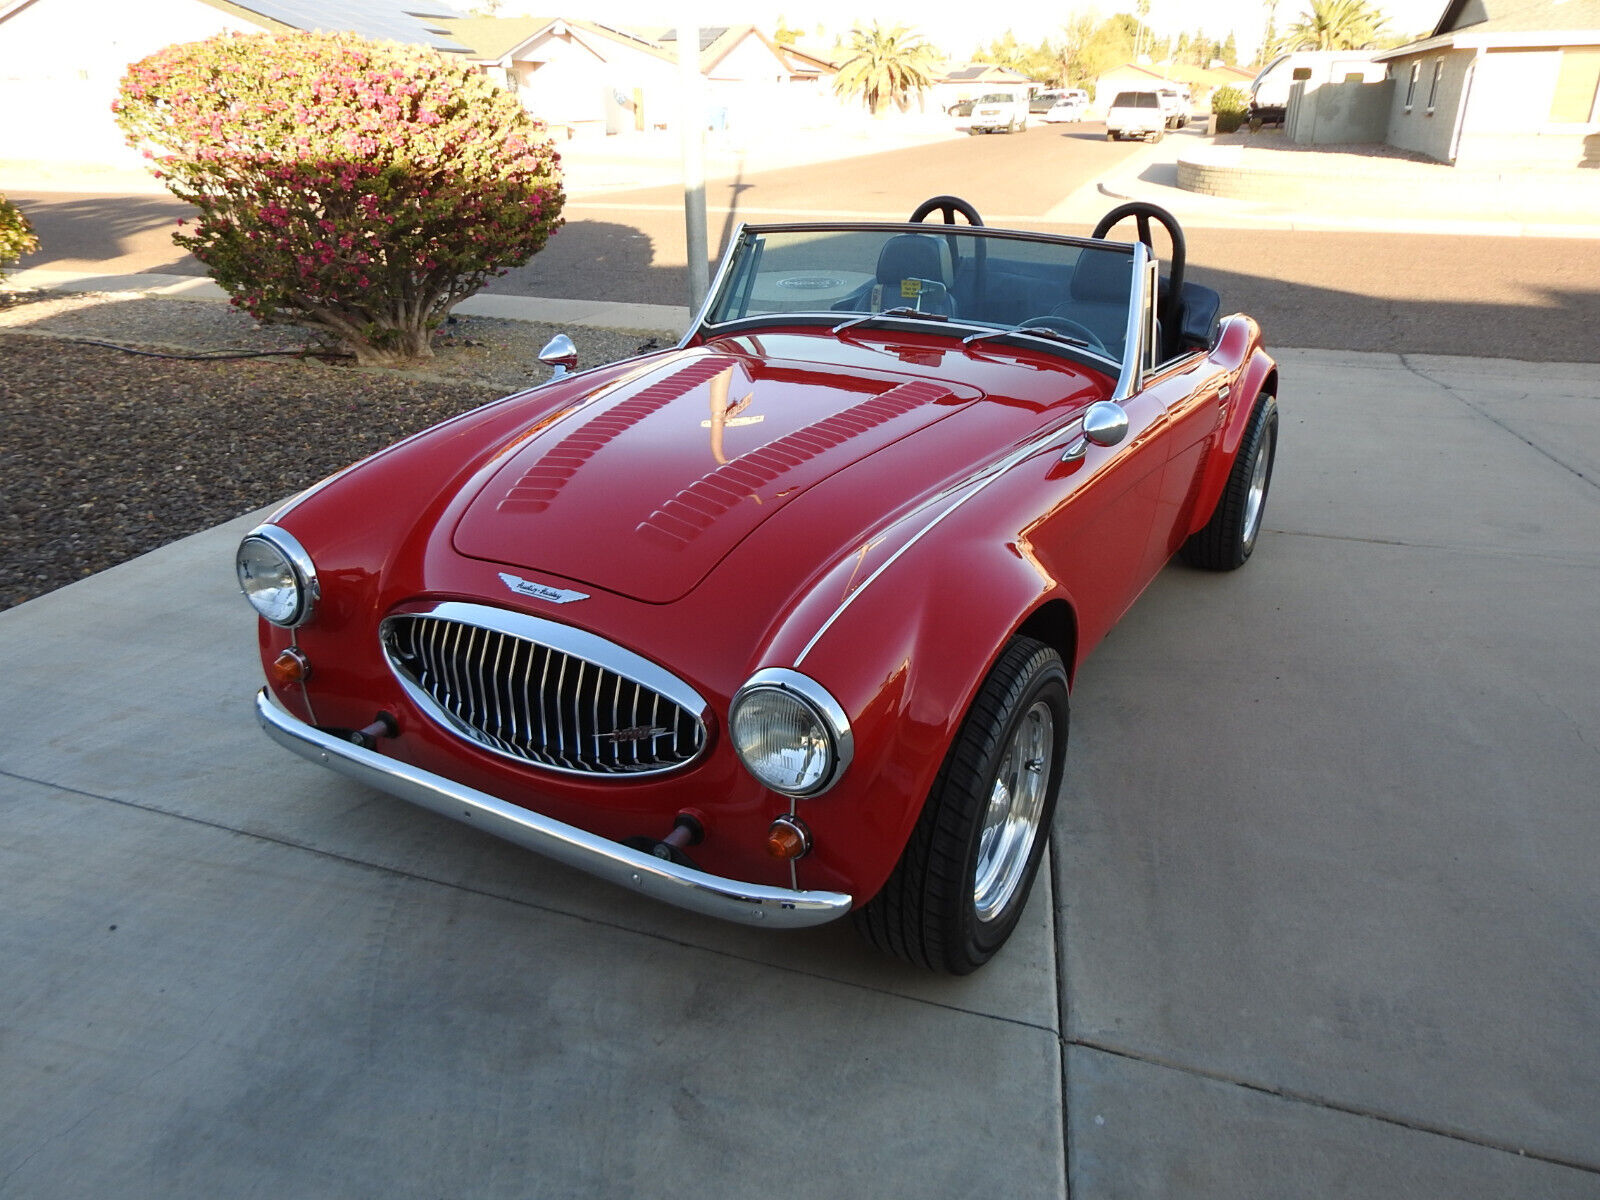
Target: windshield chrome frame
{"points": [[1137, 342], [1140, 339]]}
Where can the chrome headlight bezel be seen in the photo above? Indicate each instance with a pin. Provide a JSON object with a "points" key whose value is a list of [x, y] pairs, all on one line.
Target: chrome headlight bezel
{"points": [[296, 571], [827, 717]]}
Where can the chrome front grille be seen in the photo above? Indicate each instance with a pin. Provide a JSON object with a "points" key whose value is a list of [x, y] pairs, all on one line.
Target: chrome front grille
{"points": [[544, 693]]}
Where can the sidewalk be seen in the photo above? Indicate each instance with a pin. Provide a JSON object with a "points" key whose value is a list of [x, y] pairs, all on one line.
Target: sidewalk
{"points": [[592, 163], [1260, 180]]}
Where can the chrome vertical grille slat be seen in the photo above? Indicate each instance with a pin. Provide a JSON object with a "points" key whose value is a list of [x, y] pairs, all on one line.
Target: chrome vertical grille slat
{"points": [[543, 693]]}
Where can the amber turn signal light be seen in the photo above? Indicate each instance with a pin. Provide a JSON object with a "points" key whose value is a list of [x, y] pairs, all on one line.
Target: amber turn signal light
{"points": [[291, 666], [788, 838]]}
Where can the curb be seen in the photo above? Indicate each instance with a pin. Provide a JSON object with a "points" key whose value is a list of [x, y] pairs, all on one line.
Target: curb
{"points": [[598, 314]]}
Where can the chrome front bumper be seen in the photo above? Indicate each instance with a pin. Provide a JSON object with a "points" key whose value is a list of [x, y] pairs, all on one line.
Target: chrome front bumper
{"points": [[684, 887]]}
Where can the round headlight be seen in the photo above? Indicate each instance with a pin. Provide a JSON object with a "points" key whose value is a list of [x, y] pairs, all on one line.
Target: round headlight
{"points": [[277, 577], [789, 733]]}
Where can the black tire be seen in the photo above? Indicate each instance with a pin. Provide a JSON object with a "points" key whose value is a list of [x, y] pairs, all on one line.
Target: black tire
{"points": [[1230, 535], [954, 897]]}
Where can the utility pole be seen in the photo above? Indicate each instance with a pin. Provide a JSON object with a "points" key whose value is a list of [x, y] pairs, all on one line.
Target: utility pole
{"points": [[694, 159]]}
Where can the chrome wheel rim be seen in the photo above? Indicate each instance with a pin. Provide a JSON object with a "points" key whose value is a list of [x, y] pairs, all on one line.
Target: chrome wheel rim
{"points": [[1011, 821], [1256, 498]]}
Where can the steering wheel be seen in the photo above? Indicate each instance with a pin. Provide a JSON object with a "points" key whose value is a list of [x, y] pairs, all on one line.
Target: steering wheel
{"points": [[1143, 214], [1069, 327], [949, 206]]}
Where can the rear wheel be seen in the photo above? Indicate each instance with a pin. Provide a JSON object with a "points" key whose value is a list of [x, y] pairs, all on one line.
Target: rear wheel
{"points": [[962, 882], [1230, 535]]}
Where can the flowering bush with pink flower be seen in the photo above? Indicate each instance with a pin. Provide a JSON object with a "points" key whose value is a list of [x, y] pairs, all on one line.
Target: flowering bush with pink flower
{"points": [[16, 235], [358, 187]]}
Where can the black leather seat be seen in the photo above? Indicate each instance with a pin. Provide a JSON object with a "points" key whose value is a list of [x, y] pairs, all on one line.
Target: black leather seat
{"points": [[907, 265], [1101, 283]]}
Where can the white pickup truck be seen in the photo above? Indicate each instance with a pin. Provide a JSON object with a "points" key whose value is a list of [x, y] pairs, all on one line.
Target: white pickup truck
{"points": [[1137, 114], [999, 110]]}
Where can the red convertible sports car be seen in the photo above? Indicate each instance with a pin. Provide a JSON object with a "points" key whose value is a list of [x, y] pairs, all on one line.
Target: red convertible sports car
{"points": [[780, 624]]}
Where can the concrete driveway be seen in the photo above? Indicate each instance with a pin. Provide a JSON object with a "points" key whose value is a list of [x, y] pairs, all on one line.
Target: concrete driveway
{"points": [[1321, 919]]}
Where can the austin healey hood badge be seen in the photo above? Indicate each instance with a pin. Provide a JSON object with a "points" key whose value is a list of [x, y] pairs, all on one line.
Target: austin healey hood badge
{"points": [[538, 591]]}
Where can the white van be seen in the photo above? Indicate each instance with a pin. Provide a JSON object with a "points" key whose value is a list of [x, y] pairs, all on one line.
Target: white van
{"points": [[1269, 90]]}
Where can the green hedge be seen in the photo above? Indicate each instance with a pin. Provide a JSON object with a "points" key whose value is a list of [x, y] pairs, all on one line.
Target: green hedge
{"points": [[1231, 107], [16, 235]]}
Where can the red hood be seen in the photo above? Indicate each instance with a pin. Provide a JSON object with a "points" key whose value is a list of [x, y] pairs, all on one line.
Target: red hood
{"points": [[648, 485]]}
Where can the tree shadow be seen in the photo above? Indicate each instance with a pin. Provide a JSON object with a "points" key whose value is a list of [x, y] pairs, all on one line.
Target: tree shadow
{"points": [[596, 260], [108, 235]]}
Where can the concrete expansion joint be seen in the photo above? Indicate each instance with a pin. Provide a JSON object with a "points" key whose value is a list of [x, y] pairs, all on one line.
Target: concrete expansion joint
{"points": [[1405, 361], [1328, 1104]]}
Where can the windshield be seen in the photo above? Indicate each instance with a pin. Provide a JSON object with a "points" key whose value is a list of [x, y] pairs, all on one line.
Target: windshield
{"points": [[996, 98], [972, 280], [1136, 100]]}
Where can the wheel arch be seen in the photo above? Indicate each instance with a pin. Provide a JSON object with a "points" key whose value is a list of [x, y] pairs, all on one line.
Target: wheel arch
{"points": [[1055, 623], [909, 691], [1256, 375]]}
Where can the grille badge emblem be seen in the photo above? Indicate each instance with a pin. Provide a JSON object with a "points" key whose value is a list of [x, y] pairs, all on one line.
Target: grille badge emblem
{"points": [[637, 733], [538, 591]]}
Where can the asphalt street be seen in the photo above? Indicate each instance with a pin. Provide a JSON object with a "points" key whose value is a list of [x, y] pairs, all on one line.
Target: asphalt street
{"points": [[1367, 290]]}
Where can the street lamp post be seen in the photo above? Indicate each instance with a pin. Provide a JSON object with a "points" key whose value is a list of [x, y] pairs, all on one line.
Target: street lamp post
{"points": [[694, 160]]}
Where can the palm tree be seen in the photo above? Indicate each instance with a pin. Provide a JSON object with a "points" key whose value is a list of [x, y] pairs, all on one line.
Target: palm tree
{"points": [[1337, 25], [885, 66]]}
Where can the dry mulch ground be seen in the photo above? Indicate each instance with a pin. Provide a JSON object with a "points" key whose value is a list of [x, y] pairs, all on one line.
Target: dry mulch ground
{"points": [[105, 455]]}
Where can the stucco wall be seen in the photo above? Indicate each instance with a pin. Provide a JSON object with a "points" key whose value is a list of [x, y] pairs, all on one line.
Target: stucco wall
{"points": [[1338, 113], [1498, 100], [62, 60], [1508, 112], [1416, 126]]}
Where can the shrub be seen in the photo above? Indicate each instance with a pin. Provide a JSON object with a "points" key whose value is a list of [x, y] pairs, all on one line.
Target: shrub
{"points": [[16, 235], [1231, 105], [361, 188]]}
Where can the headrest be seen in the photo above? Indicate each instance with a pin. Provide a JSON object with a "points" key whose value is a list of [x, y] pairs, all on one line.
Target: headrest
{"points": [[913, 256], [1103, 277]]}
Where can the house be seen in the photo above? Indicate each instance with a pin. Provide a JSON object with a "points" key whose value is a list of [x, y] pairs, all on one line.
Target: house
{"points": [[1501, 81], [585, 75], [974, 79], [1202, 82], [574, 73], [61, 61]]}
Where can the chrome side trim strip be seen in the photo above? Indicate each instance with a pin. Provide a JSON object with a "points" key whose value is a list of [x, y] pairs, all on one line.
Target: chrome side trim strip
{"points": [[962, 492], [682, 887]]}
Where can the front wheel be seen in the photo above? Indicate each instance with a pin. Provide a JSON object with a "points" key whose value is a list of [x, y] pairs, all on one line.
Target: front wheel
{"points": [[1230, 535], [964, 877]]}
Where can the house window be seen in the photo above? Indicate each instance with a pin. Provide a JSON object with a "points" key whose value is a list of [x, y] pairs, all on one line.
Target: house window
{"points": [[1411, 87], [1577, 81], [1433, 90]]}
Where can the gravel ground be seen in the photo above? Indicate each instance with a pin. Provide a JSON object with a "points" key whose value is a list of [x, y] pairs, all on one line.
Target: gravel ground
{"points": [[106, 454]]}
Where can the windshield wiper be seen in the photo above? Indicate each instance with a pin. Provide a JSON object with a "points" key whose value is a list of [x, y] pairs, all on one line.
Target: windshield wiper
{"points": [[1038, 331], [889, 312]]}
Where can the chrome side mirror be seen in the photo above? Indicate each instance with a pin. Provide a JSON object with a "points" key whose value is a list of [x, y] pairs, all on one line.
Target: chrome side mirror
{"points": [[1105, 423], [560, 355]]}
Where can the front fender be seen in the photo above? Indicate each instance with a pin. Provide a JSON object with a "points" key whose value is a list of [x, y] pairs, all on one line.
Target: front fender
{"points": [[1239, 350], [905, 654]]}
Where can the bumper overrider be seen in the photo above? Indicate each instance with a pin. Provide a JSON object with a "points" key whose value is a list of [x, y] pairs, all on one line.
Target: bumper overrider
{"points": [[660, 879]]}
